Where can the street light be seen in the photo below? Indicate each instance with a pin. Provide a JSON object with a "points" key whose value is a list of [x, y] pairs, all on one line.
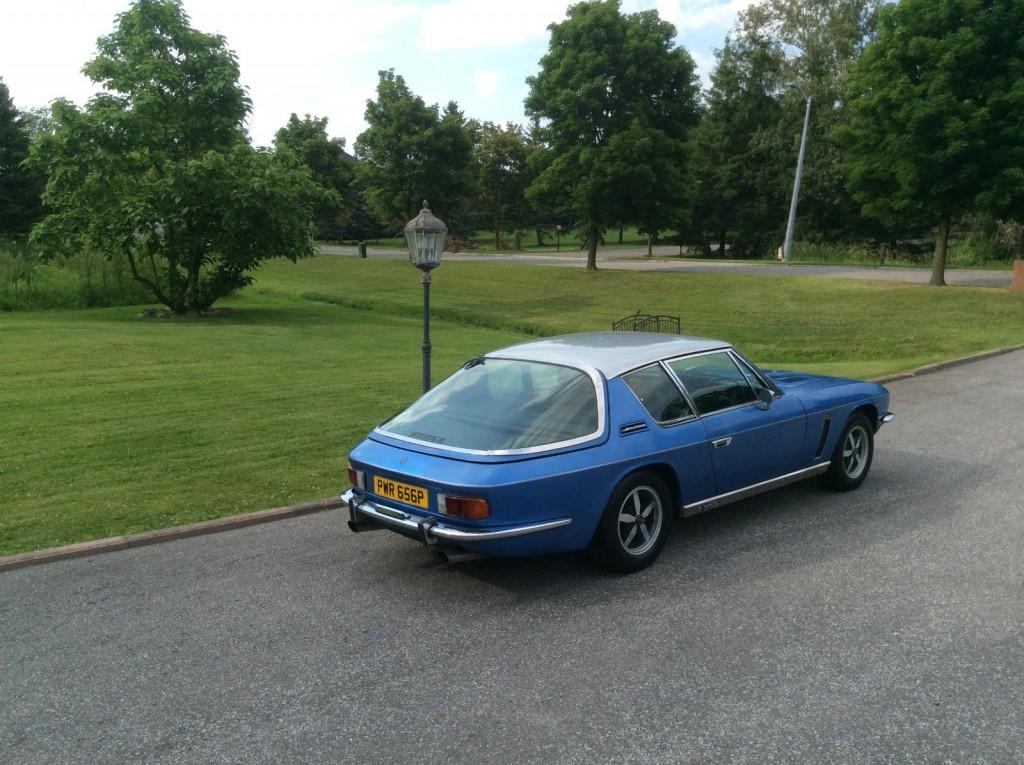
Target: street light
{"points": [[426, 236], [787, 247]]}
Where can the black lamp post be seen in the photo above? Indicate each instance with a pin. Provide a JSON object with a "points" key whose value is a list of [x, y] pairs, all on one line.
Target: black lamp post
{"points": [[426, 236]]}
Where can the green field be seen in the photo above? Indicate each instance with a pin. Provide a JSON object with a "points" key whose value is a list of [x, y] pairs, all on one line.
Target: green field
{"points": [[114, 423]]}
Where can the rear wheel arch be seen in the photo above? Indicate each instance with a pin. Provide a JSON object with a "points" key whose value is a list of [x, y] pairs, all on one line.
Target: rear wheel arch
{"points": [[667, 474]]}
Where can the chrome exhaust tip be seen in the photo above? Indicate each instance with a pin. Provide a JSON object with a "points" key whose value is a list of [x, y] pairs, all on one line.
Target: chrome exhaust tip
{"points": [[455, 556]]}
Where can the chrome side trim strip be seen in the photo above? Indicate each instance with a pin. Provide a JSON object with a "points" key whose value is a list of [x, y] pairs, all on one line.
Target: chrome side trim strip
{"points": [[756, 488], [388, 516]]}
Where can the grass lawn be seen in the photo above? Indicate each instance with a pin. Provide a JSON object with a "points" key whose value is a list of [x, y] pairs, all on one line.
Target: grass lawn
{"points": [[114, 424]]}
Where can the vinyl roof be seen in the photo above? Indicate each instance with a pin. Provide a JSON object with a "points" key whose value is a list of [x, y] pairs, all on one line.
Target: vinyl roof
{"points": [[612, 353]]}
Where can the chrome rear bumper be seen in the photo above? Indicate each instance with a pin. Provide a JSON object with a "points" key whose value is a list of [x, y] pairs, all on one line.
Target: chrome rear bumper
{"points": [[367, 515], [882, 420]]}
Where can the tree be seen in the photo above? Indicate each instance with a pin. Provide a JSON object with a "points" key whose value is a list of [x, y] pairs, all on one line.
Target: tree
{"points": [[157, 168], [741, 179], [411, 151], [616, 101], [821, 41], [332, 167], [937, 105], [501, 176], [20, 186]]}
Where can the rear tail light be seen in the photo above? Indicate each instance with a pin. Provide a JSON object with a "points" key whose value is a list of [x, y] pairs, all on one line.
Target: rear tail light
{"points": [[472, 508], [356, 477]]}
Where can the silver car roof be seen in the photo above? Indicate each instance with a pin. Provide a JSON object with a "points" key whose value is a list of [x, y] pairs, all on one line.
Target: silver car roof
{"points": [[612, 353]]}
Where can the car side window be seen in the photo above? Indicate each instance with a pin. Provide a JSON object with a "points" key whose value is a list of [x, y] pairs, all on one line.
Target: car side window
{"points": [[713, 381], [659, 395]]}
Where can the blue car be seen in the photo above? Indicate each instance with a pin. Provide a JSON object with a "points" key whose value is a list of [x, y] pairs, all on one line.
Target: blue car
{"points": [[598, 441]]}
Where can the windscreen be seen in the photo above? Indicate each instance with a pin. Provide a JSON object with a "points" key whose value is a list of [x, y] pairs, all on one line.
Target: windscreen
{"points": [[500, 404]]}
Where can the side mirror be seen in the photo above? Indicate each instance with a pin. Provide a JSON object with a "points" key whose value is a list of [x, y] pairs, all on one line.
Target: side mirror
{"points": [[764, 398]]}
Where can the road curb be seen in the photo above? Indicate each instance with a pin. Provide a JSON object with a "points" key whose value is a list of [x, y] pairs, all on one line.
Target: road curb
{"points": [[928, 369], [111, 544]]}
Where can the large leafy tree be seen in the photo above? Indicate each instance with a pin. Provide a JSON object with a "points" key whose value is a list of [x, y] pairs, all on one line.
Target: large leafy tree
{"points": [[20, 186], [615, 101], [157, 169], [938, 115], [332, 167], [411, 151], [741, 179], [500, 153]]}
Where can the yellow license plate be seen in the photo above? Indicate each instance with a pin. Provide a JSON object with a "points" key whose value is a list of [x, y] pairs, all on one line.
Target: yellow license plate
{"points": [[400, 492]]}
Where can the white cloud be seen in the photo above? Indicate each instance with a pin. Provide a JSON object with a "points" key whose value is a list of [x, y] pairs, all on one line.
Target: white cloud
{"points": [[691, 15], [462, 24], [487, 82]]}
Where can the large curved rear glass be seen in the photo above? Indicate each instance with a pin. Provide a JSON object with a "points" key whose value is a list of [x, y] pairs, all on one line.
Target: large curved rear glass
{"points": [[501, 404]]}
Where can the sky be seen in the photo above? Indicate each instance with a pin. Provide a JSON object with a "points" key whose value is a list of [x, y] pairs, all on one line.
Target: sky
{"points": [[321, 57]]}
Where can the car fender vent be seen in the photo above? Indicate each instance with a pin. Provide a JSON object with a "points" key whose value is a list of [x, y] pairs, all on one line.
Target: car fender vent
{"points": [[631, 428]]}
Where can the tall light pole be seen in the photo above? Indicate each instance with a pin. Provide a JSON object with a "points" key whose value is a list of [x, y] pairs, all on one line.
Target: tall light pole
{"points": [[787, 251], [426, 236]]}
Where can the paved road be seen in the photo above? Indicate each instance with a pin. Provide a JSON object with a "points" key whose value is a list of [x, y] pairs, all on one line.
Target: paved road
{"points": [[884, 625], [634, 260]]}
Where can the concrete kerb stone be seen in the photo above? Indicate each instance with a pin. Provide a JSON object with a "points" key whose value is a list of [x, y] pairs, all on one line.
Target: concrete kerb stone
{"points": [[928, 369], [110, 544]]}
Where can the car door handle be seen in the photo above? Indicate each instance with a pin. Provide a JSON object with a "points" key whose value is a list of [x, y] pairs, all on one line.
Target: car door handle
{"points": [[718, 443]]}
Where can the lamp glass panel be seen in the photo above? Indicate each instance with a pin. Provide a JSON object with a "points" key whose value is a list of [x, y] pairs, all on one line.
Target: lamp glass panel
{"points": [[425, 247]]}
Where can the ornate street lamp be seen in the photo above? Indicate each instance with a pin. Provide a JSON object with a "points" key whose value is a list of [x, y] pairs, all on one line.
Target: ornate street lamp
{"points": [[426, 236]]}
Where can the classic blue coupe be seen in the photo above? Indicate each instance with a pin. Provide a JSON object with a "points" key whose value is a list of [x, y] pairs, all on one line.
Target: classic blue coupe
{"points": [[599, 441]]}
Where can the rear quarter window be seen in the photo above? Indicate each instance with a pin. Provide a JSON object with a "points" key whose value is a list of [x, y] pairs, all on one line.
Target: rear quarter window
{"points": [[659, 395]]}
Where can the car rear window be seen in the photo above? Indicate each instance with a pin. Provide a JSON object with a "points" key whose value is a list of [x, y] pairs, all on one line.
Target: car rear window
{"points": [[502, 404]]}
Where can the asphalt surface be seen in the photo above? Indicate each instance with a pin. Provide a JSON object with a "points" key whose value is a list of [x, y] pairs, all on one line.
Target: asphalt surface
{"points": [[883, 625], [634, 260]]}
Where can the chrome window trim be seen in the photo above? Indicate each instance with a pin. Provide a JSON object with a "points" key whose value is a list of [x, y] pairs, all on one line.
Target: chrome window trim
{"points": [[728, 351], [682, 388], [671, 379], [776, 391], [602, 418]]}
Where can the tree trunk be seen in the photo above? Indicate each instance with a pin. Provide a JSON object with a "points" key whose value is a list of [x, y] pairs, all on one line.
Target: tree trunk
{"points": [[620, 233], [650, 245], [939, 261], [497, 235], [540, 237], [192, 287], [721, 243], [592, 248], [1017, 284]]}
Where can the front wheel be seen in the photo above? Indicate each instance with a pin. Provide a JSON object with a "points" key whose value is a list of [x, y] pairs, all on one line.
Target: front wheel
{"points": [[851, 459], [635, 524]]}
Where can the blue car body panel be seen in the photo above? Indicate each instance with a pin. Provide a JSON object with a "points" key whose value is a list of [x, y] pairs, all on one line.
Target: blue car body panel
{"points": [[576, 483]]}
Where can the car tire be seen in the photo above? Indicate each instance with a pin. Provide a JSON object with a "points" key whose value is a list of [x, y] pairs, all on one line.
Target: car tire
{"points": [[851, 459], [635, 524]]}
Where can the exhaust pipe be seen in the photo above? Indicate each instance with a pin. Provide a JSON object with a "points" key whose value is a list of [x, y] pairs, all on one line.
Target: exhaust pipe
{"points": [[455, 556], [361, 523]]}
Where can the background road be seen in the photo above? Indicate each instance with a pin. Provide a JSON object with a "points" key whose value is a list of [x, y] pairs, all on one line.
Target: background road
{"points": [[634, 260], [886, 624]]}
